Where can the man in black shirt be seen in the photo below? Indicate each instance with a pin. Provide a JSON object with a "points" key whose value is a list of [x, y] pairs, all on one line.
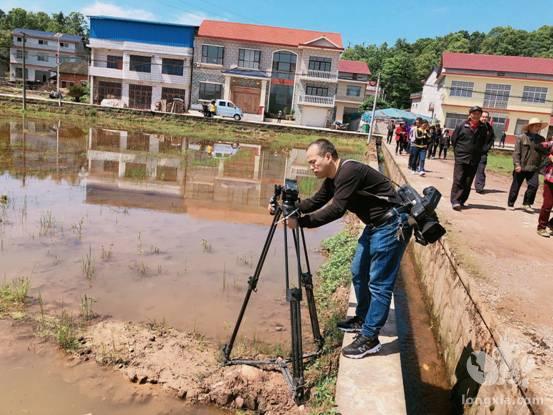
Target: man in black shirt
{"points": [[468, 142], [480, 179], [354, 186]]}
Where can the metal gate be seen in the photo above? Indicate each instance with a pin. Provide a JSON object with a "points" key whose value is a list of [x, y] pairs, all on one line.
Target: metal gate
{"points": [[140, 97]]}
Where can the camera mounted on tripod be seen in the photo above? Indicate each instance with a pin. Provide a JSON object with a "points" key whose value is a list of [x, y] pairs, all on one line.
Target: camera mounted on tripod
{"points": [[289, 194]]}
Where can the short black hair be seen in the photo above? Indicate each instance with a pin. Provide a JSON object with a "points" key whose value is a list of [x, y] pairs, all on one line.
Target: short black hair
{"points": [[486, 112], [325, 146]]}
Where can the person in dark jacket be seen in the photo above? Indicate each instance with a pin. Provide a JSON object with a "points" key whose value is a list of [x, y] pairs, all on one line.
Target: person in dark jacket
{"points": [[480, 179], [445, 142], [353, 186], [468, 142], [527, 159]]}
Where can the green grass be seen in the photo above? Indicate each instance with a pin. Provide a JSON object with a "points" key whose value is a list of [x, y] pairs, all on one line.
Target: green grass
{"points": [[13, 293], [500, 162]]}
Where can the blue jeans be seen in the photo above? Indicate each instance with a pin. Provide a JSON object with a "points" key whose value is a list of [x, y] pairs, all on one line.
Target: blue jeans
{"points": [[422, 158], [374, 270]]}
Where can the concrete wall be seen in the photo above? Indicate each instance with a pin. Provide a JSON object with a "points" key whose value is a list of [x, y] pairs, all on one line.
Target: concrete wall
{"points": [[463, 325]]}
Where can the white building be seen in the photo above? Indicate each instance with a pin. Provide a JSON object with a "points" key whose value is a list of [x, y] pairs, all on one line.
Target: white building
{"points": [[428, 101], [138, 64], [41, 50]]}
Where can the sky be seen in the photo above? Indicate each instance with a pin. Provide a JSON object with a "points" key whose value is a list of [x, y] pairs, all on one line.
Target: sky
{"points": [[358, 21]]}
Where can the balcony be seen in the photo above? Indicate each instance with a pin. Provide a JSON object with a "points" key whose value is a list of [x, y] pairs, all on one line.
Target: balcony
{"points": [[315, 100], [350, 98], [320, 76]]}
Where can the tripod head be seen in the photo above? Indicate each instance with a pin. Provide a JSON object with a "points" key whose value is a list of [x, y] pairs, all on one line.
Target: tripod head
{"points": [[289, 195]]}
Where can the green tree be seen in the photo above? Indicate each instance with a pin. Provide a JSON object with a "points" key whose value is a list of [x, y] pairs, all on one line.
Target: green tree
{"points": [[505, 41], [367, 104], [399, 79]]}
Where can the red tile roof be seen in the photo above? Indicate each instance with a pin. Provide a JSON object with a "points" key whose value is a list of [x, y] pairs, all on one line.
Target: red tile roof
{"points": [[496, 63], [353, 67], [264, 34]]}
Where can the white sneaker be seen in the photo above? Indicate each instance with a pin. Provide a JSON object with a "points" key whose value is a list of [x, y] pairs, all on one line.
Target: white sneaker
{"points": [[511, 208], [422, 173], [528, 208], [413, 172]]}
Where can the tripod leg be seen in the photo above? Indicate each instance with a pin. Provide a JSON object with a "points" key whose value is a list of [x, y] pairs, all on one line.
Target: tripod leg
{"points": [[297, 350], [307, 281], [252, 283]]}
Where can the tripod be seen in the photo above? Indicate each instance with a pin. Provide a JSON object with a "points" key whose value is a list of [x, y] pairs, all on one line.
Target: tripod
{"points": [[293, 296]]}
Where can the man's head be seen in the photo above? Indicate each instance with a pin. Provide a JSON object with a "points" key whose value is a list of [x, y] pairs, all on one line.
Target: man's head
{"points": [[475, 113], [424, 124], [418, 121], [322, 158], [485, 116]]}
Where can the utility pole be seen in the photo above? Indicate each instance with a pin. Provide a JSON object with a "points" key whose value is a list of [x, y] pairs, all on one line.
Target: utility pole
{"points": [[374, 109], [24, 74], [58, 57]]}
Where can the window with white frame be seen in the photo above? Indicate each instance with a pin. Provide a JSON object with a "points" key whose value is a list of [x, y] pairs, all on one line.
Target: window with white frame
{"points": [[497, 95], [172, 66], [534, 94], [518, 127], [209, 91], [19, 39], [64, 44], [461, 89], [453, 120], [353, 91], [19, 54], [42, 58], [249, 58], [213, 54], [139, 63]]}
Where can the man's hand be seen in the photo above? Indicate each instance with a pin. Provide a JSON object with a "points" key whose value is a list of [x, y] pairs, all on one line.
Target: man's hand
{"points": [[518, 169], [271, 208], [292, 222]]}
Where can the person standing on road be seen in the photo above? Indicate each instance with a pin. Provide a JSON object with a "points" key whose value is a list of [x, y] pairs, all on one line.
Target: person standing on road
{"points": [[400, 133], [390, 132], [480, 179], [545, 225], [364, 191], [502, 139], [420, 146], [467, 140], [412, 163], [527, 159], [445, 142]]}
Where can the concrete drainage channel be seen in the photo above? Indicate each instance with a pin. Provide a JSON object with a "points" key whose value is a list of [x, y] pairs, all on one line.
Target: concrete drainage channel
{"points": [[461, 327]]}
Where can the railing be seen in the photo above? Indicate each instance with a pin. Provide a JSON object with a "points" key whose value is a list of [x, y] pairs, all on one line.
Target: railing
{"points": [[321, 75], [317, 100]]}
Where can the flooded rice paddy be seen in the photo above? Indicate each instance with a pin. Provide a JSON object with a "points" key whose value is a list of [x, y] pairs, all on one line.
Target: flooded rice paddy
{"points": [[151, 227]]}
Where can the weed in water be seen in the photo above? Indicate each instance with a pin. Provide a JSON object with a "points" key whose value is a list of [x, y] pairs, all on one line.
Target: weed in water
{"points": [[47, 223], [87, 265], [86, 307], [206, 246], [15, 291], [65, 331], [106, 253], [78, 228], [139, 246], [154, 250]]}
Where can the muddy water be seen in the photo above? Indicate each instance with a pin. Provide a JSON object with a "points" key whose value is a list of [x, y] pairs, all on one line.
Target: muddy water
{"points": [[151, 227], [171, 228], [37, 379]]}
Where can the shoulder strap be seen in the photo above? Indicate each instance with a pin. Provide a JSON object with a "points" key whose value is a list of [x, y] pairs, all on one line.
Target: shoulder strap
{"points": [[364, 192]]}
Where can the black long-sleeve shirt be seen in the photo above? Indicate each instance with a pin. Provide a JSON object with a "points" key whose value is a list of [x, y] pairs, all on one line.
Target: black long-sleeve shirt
{"points": [[348, 190]]}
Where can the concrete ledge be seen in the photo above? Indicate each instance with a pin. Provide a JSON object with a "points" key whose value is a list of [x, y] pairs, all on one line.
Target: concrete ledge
{"points": [[373, 385]]}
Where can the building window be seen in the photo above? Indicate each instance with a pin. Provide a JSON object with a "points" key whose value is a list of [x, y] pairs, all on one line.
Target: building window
{"points": [[534, 94], [210, 92], [362, 77], [518, 127], [172, 67], [19, 73], [140, 63], [497, 95], [319, 64], [42, 58], [19, 54], [170, 94], [213, 54], [461, 89], [115, 62], [64, 44], [108, 90], [499, 123], [453, 120], [284, 65], [316, 90], [248, 58], [19, 39], [353, 91], [42, 42], [353, 76]]}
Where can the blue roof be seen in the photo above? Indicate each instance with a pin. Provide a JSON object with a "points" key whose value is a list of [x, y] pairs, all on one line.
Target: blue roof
{"points": [[52, 35], [247, 72], [394, 113], [140, 31]]}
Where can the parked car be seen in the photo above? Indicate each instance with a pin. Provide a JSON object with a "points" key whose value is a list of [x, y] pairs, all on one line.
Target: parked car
{"points": [[228, 109]]}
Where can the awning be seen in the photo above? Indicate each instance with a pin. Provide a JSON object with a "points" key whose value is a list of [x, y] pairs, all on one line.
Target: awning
{"points": [[394, 113], [246, 73]]}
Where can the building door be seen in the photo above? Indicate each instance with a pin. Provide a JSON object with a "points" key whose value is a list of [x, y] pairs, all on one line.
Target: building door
{"points": [[140, 97], [245, 98]]}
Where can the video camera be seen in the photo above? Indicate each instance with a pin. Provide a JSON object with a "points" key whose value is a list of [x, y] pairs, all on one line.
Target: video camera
{"points": [[422, 209], [289, 194]]}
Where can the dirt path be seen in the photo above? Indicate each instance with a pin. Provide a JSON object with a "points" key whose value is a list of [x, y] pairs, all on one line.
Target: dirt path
{"points": [[510, 266]]}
